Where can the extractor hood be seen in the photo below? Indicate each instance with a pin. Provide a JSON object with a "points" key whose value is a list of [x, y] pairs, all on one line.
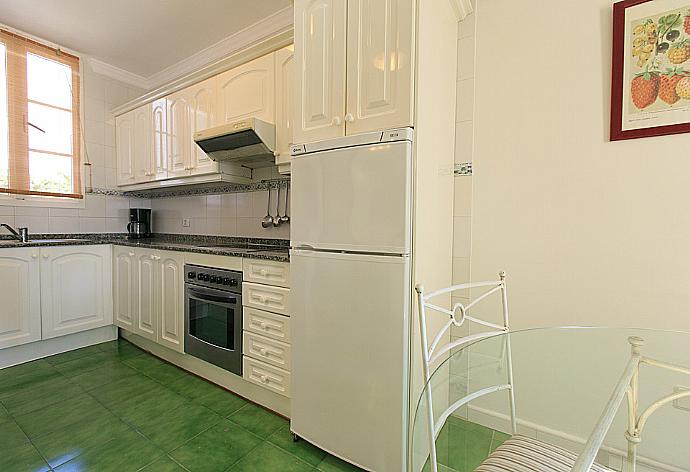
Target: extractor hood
{"points": [[250, 142]]}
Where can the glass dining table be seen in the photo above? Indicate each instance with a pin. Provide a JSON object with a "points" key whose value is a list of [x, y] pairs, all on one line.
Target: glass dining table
{"points": [[617, 397]]}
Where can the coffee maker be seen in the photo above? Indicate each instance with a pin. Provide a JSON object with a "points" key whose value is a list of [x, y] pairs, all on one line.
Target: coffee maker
{"points": [[139, 225]]}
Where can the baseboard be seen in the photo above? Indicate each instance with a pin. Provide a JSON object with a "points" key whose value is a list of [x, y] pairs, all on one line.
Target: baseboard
{"points": [[49, 347], [212, 373]]}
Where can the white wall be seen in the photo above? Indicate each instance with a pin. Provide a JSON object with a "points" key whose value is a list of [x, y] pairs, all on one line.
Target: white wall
{"points": [[100, 213], [591, 232]]}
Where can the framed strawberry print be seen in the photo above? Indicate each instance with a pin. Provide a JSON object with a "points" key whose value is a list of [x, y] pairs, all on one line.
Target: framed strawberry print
{"points": [[650, 93]]}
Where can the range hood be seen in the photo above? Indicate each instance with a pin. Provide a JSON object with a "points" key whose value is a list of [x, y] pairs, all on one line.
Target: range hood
{"points": [[250, 143]]}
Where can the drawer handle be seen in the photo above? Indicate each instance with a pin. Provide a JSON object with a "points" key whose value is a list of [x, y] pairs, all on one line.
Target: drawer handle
{"points": [[262, 351], [262, 325], [263, 272], [264, 379], [131, 254]]}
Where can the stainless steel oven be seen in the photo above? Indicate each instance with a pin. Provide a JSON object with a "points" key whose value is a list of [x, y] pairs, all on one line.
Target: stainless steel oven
{"points": [[213, 316]]}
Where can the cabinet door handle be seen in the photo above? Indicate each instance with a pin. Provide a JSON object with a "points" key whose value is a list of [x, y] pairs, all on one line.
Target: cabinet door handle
{"points": [[337, 121], [34, 256], [262, 351], [263, 272], [46, 256], [349, 118], [131, 254]]}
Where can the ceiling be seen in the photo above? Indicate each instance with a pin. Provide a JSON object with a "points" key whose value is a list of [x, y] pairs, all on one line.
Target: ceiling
{"points": [[140, 36]]}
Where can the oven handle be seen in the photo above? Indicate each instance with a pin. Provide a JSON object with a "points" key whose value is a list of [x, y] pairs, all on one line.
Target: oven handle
{"points": [[204, 296]]}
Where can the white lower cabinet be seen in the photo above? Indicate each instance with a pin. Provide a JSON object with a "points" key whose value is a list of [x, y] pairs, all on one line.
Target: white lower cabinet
{"points": [[149, 294], [76, 289], [266, 349], [20, 316]]}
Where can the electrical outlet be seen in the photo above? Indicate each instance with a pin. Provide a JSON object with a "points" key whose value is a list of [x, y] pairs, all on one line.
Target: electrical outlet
{"points": [[186, 223], [681, 403]]}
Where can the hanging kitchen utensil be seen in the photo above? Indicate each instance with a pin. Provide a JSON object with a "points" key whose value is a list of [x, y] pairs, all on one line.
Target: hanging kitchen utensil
{"points": [[285, 218], [268, 219], [277, 220]]}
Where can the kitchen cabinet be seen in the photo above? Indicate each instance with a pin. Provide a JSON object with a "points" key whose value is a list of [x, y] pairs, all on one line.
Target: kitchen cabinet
{"points": [[380, 39], [142, 134], [355, 63], [159, 144], [320, 57], [76, 289], [179, 135], [170, 295], [285, 93], [247, 91], [146, 321], [20, 317], [124, 288], [202, 115], [158, 286], [124, 141]]}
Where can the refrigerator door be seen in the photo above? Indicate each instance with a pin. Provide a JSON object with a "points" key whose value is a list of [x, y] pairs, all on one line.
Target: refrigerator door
{"points": [[350, 354], [354, 199]]}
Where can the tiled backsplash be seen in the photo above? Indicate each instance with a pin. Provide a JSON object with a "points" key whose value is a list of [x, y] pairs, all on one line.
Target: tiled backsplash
{"points": [[230, 214]]}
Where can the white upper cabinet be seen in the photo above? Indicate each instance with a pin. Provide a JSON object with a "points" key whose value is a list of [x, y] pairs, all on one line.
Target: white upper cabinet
{"points": [[159, 145], [179, 135], [143, 157], [124, 140], [202, 106], [247, 91], [20, 316], [285, 97], [320, 58], [76, 289], [379, 64]]}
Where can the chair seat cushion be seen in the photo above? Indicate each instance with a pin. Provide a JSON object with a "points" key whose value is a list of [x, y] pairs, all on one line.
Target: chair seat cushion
{"points": [[523, 454]]}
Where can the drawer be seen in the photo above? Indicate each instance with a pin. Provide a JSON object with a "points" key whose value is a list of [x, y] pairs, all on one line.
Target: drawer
{"points": [[267, 324], [265, 297], [266, 272], [267, 350], [260, 373]]}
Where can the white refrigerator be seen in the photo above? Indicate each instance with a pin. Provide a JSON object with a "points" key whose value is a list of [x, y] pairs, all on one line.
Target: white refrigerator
{"points": [[351, 294]]}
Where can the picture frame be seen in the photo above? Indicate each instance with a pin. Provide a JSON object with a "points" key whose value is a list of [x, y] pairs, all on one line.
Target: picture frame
{"points": [[650, 89]]}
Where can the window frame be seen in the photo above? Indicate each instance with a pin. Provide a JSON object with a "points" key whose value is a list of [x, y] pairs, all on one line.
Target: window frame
{"points": [[75, 61]]}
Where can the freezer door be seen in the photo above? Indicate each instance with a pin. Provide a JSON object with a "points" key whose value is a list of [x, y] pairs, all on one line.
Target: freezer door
{"points": [[353, 199], [350, 354]]}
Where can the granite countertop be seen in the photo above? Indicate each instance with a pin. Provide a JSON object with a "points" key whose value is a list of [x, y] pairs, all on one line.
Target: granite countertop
{"points": [[267, 249]]}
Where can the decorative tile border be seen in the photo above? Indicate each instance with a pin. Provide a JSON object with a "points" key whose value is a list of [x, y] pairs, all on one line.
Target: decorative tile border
{"points": [[210, 189], [104, 191], [464, 168]]}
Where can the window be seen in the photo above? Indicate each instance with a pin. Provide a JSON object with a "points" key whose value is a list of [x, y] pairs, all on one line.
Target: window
{"points": [[39, 119]]}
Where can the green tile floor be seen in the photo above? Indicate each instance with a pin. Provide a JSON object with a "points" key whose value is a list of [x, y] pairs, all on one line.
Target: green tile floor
{"points": [[113, 407]]}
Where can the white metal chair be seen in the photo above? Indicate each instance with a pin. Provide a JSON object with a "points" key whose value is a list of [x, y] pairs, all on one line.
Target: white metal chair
{"points": [[434, 352], [519, 453]]}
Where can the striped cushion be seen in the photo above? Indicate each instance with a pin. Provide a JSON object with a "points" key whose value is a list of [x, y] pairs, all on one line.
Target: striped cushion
{"points": [[523, 454]]}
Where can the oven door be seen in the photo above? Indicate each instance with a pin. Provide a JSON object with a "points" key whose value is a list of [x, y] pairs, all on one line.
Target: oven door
{"points": [[213, 326]]}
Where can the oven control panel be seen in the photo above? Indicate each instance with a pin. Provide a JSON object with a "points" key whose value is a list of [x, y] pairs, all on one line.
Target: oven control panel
{"points": [[222, 279]]}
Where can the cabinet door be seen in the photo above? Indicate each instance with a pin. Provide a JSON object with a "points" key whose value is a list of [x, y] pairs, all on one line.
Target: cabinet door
{"points": [[202, 99], [124, 142], [320, 69], [147, 294], [285, 93], [124, 289], [171, 301], [20, 316], [159, 144], [178, 134], [247, 91], [379, 65], [76, 289], [143, 157]]}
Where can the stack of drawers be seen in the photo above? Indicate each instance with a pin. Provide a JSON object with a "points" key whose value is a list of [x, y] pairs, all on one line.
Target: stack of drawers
{"points": [[266, 321]]}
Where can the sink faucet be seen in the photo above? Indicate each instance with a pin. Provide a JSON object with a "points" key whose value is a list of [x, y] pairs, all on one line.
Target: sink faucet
{"points": [[22, 235]]}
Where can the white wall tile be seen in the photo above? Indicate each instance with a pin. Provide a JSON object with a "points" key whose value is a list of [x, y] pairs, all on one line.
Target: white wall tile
{"points": [[461, 270], [465, 58], [116, 207], [463, 196], [213, 206], [31, 211], [229, 205], [8, 220], [36, 224], [62, 212], [464, 141], [6, 210], [92, 225], [244, 204], [465, 100], [94, 206], [462, 236], [64, 224], [116, 225]]}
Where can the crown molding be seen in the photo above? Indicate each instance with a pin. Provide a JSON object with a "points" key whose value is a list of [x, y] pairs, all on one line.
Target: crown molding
{"points": [[116, 73], [277, 23], [462, 8]]}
